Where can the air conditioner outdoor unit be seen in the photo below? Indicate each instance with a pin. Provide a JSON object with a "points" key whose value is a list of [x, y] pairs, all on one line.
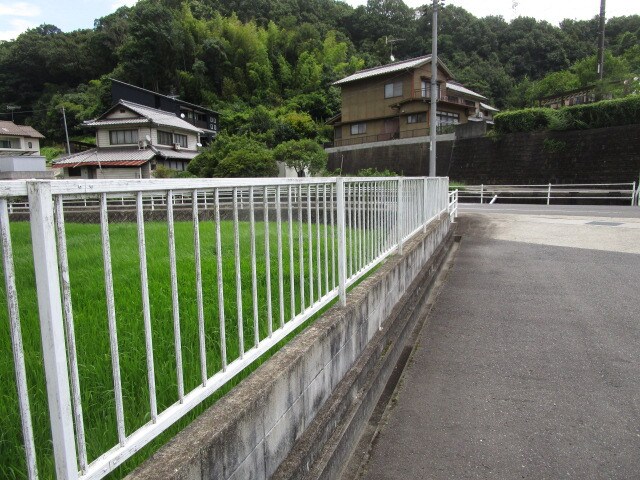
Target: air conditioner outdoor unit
{"points": [[142, 144], [176, 146]]}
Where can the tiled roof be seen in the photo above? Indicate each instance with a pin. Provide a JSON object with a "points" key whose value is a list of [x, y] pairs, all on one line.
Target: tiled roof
{"points": [[389, 68], [115, 156], [106, 156], [11, 129], [148, 114], [177, 154], [117, 121], [462, 89], [488, 107]]}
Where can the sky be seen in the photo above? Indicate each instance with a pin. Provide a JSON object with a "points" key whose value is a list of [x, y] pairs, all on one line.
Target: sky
{"points": [[17, 16]]}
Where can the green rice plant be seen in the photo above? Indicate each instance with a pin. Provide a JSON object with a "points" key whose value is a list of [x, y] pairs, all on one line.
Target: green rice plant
{"points": [[91, 330]]}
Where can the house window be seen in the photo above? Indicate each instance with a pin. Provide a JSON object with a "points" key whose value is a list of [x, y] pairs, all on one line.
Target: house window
{"points": [[168, 138], [29, 145], [9, 143], [180, 140], [123, 137], [358, 128], [417, 117], [75, 172], [165, 138], [337, 133], [447, 118], [393, 90]]}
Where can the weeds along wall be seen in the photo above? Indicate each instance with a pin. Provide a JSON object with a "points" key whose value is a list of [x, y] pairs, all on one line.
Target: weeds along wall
{"points": [[599, 155]]}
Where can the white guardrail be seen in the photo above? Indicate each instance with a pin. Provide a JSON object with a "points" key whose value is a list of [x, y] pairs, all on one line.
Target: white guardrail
{"points": [[283, 248], [592, 192]]}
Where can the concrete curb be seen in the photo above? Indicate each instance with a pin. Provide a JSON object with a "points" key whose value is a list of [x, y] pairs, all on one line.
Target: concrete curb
{"points": [[248, 433]]}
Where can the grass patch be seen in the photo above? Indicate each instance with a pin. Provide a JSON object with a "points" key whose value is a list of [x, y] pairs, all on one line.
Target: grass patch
{"points": [[90, 319]]}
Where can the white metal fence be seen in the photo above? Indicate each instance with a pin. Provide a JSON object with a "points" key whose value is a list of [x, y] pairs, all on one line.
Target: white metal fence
{"points": [[548, 193], [239, 266]]}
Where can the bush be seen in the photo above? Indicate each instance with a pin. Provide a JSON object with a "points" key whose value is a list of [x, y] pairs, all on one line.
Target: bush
{"points": [[372, 172], [248, 163], [607, 113], [527, 120]]}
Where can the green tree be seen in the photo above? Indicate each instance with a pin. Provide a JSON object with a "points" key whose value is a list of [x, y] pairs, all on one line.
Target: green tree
{"points": [[302, 156]]}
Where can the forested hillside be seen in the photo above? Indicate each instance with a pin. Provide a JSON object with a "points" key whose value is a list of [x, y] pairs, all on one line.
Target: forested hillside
{"points": [[233, 55]]}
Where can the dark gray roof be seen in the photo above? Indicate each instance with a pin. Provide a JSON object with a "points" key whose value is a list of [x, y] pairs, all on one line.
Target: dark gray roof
{"points": [[147, 115]]}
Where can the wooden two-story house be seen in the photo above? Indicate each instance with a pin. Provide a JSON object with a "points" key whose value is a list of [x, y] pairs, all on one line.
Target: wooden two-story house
{"points": [[393, 101], [131, 141]]}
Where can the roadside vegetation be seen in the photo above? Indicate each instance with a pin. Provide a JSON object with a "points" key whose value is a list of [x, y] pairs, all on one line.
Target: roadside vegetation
{"points": [[90, 319], [607, 113]]}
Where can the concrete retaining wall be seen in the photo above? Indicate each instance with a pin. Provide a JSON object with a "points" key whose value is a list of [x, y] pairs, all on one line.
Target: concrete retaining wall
{"points": [[308, 387]]}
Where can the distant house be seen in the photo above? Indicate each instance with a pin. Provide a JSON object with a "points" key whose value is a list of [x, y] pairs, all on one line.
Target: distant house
{"points": [[19, 139], [20, 152], [206, 120], [131, 141], [392, 102]]}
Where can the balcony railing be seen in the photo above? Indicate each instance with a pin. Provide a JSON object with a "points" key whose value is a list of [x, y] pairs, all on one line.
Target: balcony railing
{"points": [[422, 93]]}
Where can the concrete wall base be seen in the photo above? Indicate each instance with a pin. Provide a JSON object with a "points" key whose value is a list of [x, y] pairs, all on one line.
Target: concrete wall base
{"points": [[309, 393], [325, 448]]}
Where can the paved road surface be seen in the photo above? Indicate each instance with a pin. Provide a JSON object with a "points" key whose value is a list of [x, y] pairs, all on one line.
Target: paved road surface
{"points": [[529, 363]]}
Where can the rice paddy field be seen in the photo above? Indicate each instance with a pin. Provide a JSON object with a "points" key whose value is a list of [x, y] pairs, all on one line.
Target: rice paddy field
{"points": [[91, 330]]}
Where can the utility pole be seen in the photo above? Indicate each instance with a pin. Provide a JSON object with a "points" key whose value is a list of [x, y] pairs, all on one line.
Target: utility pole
{"points": [[434, 90], [601, 41], [13, 108], [66, 132]]}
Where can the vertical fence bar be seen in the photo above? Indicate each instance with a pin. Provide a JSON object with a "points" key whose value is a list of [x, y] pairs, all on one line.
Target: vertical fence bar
{"points": [[333, 237], [318, 245], [63, 264], [280, 268], [111, 315], [400, 214], [633, 193], [326, 240], [292, 287], [310, 250], [223, 338], [146, 309], [199, 301], [303, 305], [174, 295], [348, 191], [267, 264], [360, 226], [254, 275], [342, 245], [236, 257], [16, 342], [425, 200], [549, 194]]}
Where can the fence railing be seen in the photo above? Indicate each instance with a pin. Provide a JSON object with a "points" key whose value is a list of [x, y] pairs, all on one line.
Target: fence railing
{"points": [[151, 295], [548, 193]]}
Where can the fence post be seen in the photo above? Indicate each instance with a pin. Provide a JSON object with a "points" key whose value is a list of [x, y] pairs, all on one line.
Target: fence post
{"points": [[425, 196], [633, 193], [52, 328], [400, 215], [342, 241], [482, 193], [549, 194]]}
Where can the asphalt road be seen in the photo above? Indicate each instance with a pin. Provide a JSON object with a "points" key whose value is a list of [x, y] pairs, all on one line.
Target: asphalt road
{"points": [[536, 209], [528, 366]]}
